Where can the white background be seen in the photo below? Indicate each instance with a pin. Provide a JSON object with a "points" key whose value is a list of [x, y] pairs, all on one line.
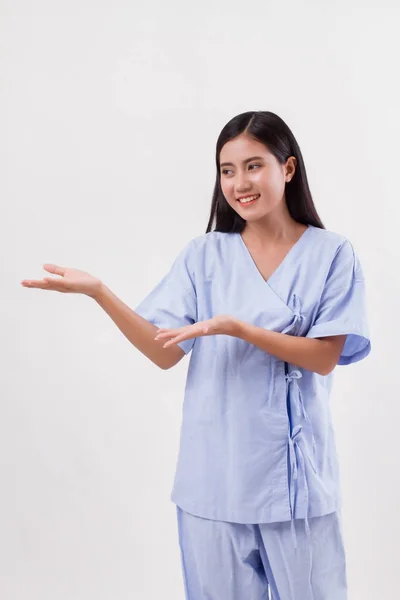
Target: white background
{"points": [[110, 113]]}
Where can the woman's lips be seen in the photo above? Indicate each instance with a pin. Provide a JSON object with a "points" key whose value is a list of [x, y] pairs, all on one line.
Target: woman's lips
{"points": [[249, 203]]}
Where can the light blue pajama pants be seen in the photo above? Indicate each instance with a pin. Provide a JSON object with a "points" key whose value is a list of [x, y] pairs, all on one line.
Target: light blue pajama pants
{"points": [[233, 561]]}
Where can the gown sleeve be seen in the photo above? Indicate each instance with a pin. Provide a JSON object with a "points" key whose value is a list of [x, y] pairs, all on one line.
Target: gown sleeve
{"points": [[172, 302], [342, 307]]}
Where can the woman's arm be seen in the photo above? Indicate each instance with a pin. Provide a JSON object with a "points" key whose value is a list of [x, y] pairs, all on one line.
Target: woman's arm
{"points": [[137, 330], [318, 355]]}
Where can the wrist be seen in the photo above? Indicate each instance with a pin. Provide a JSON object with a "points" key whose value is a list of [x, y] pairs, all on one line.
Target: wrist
{"points": [[99, 291], [235, 327]]}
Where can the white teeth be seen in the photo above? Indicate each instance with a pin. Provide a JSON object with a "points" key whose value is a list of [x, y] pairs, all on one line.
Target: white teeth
{"points": [[249, 199]]}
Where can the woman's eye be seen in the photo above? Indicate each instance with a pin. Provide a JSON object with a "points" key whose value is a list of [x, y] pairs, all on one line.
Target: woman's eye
{"points": [[226, 171]]}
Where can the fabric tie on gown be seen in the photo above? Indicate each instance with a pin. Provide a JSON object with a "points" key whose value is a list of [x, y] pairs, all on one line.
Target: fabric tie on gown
{"points": [[295, 326], [296, 399], [296, 455]]}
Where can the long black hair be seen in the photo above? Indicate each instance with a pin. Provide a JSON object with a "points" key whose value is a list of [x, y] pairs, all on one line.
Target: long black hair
{"points": [[269, 129]]}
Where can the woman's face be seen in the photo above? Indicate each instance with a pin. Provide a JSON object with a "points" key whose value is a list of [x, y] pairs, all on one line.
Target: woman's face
{"points": [[262, 176]]}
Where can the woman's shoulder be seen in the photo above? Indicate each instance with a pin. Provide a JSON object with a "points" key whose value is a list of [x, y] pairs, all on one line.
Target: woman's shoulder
{"points": [[331, 241], [212, 236], [329, 236], [201, 248], [337, 252], [211, 239]]}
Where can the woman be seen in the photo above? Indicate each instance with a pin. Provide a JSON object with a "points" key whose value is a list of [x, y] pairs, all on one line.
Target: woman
{"points": [[268, 302]]}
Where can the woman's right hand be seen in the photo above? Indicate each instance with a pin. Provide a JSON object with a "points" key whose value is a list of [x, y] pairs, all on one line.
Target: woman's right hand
{"points": [[70, 281]]}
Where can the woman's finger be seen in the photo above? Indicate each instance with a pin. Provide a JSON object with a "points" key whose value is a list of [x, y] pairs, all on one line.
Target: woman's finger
{"points": [[175, 340], [56, 269], [165, 334], [34, 283], [170, 343], [165, 330], [43, 284]]}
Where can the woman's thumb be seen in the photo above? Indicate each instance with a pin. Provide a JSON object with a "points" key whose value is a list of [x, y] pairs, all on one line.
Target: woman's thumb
{"points": [[56, 269]]}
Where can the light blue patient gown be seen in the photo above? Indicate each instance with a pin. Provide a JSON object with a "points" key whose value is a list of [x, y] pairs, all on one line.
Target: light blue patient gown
{"points": [[257, 446]]}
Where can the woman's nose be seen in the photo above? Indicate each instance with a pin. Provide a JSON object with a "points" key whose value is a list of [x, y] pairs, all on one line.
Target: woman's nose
{"points": [[241, 183]]}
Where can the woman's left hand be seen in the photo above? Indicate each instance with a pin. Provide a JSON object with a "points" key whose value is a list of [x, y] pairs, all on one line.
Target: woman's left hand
{"points": [[221, 324]]}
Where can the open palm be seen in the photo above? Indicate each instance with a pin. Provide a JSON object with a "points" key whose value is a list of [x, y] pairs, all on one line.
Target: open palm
{"points": [[70, 281], [220, 324]]}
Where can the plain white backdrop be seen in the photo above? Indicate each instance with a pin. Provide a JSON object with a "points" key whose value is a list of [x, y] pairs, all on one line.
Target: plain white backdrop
{"points": [[110, 113]]}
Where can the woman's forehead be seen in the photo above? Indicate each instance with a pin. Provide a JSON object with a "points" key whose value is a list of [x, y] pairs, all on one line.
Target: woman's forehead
{"points": [[241, 148]]}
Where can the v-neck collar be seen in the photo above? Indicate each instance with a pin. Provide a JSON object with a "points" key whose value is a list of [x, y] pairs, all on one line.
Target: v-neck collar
{"points": [[285, 259]]}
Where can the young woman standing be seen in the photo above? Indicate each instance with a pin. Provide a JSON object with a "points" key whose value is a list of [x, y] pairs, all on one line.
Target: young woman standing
{"points": [[268, 302]]}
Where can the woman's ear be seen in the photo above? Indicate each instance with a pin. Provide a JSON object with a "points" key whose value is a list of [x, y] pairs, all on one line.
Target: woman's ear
{"points": [[290, 168]]}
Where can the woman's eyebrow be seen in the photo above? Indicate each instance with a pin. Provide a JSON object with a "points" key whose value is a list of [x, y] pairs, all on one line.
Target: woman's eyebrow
{"points": [[244, 162]]}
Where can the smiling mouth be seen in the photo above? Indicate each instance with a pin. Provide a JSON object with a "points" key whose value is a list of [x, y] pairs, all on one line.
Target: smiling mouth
{"points": [[248, 199]]}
